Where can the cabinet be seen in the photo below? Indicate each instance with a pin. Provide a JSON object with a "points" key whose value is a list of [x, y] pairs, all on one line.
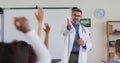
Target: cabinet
{"points": [[113, 33]]}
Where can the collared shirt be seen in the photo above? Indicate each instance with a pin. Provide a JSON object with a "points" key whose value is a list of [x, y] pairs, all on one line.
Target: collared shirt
{"points": [[76, 46]]}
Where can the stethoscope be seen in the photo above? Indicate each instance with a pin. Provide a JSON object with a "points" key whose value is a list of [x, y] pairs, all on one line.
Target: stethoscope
{"points": [[83, 29]]}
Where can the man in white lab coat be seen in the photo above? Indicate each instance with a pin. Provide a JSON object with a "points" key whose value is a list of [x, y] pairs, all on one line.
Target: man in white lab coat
{"points": [[77, 39]]}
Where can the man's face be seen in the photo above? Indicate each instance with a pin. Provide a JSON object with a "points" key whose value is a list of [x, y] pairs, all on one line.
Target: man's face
{"points": [[76, 16]]}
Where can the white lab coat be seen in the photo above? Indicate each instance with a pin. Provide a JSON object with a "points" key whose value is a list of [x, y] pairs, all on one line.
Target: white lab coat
{"points": [[69, 39]]}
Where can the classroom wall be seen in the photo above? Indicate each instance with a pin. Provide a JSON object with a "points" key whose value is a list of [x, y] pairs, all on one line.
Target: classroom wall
{"points": [[98, 29]]}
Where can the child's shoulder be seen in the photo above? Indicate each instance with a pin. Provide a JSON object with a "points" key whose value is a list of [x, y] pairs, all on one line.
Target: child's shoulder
{"points": [[115, 59]]}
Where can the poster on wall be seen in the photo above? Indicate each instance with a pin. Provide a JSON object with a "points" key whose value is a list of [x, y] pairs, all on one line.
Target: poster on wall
{"points": [[86, 22]]}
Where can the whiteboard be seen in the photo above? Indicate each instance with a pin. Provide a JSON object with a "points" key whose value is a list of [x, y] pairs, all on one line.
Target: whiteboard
{"points": [[55, 17]]}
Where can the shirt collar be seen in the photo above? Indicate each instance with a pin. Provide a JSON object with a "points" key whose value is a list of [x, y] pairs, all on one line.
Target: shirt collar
{"points": [[75, 24]]}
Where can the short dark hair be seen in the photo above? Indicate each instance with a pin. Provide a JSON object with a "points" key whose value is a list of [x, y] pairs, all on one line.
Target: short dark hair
{"points": [[76, 9], [117, 45], [16, 52]]}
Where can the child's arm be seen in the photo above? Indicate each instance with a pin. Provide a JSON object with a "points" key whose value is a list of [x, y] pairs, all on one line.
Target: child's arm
{"points": [[47, 30]]}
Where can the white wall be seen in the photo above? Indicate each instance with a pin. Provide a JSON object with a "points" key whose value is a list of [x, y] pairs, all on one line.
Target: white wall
{"points": [[98, 29]]}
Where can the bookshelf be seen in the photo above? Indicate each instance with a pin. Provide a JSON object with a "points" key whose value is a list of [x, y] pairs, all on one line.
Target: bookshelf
{"points": [[113, 33]]}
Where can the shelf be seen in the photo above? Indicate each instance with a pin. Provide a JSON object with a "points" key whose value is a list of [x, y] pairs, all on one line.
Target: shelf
{"points": [[114, 33], [113, 21]]}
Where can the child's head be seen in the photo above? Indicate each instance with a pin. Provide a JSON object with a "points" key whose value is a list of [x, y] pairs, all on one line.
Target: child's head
{"points": [[17, 52], [117, 46]]}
